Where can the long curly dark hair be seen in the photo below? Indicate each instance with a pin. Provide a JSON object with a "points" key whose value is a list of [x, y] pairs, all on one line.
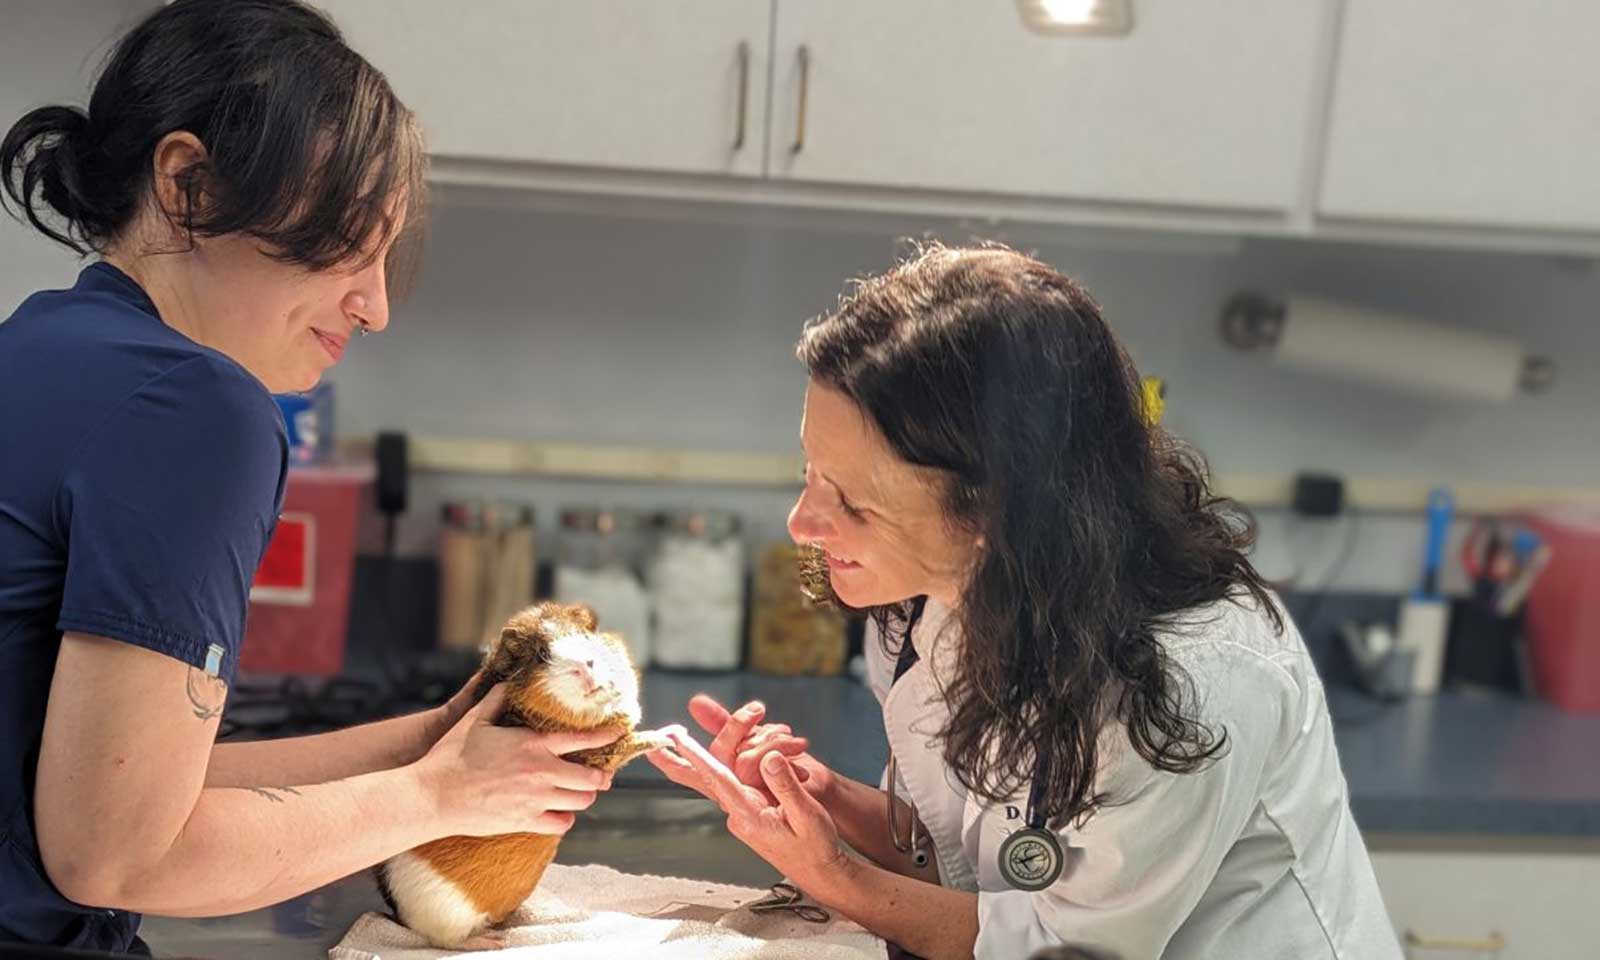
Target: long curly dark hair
{"points": [[1097, 527]]}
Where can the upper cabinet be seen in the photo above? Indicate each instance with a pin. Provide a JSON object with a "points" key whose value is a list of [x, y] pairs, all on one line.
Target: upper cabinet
{"points": [[665, 87], [1466, 112], [1201, 104], [1451, 121]]}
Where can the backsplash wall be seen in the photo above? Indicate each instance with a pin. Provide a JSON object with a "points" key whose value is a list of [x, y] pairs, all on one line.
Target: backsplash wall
{"points": [[557, 326]]}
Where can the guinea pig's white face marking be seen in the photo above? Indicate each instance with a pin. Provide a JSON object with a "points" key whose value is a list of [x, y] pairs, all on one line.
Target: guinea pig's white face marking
{"points": [[590, 677]]}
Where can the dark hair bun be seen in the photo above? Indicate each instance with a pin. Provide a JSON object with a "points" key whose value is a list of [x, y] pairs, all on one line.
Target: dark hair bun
{"points": [[307, 148], [43, 155]]}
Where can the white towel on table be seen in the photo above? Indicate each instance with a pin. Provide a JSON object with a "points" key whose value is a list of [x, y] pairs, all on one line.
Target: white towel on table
{"points": [[638, 917]]}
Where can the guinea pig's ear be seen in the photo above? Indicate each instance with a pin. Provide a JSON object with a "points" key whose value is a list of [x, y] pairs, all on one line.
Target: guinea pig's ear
{"points": [[583, 616], [498, 649]]}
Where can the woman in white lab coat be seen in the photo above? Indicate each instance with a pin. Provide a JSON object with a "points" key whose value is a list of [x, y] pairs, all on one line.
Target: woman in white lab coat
{"points": [[1109, 738]]}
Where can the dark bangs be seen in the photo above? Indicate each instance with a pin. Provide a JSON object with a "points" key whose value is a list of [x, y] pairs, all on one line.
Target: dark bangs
{"points": [[313, 155]]}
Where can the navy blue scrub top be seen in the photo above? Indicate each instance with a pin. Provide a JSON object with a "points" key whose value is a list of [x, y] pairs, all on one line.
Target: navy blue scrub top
{"points": [[141, 476]]}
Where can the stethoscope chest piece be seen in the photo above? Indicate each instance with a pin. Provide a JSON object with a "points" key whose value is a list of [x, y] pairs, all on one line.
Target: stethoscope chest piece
{"points": [[1031, 859]]}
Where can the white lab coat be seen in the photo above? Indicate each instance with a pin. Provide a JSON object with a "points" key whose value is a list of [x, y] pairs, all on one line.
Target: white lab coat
{"points": [[1255, 856]]}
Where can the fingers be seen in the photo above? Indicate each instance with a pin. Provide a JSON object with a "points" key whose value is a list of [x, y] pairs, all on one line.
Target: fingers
{"points": [[680, 771], [788, 746], [675, 767], [571, 776], [765, 732], [747, 764], [708, 713], [558, 798], [779, 777], [489, 707], [720, 783], [563, 743], [553, 823], [734, 732], [799, 807], [466, 691]]}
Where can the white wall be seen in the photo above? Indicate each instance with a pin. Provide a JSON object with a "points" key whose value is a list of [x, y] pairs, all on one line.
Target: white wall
{"points": [[49, 53], [542, 325], [558, 326]]}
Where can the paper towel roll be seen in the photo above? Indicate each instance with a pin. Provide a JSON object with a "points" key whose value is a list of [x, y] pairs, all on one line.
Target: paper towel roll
{"points": [[1399, 351]]}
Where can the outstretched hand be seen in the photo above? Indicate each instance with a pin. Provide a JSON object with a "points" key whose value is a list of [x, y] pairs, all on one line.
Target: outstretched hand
{"points": [[741, 740], [783, 823]]}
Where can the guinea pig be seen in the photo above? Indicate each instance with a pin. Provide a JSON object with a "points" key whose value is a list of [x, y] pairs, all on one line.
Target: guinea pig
{"points": [[561, 675]]}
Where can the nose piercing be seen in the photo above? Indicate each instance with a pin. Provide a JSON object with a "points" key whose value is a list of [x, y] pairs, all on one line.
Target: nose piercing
{"points": [[363, 329]]}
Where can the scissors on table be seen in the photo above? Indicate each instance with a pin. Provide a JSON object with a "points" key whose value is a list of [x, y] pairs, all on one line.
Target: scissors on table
{"points": [[787, 897]]}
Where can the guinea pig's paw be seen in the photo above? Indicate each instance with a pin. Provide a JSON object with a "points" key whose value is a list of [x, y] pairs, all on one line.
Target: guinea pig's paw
{"points": [[641, 742], [656, 739], [488, 940]]}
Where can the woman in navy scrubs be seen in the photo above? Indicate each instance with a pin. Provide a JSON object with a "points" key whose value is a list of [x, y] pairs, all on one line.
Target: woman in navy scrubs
{"points": [[243, 177]]}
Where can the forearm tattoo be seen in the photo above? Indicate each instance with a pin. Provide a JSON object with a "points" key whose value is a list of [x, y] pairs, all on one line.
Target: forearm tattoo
{"points": [[272, 793], [206, 694]]}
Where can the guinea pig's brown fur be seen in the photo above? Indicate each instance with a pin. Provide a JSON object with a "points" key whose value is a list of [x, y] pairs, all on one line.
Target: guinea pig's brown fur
{"points": [[561, 675]]}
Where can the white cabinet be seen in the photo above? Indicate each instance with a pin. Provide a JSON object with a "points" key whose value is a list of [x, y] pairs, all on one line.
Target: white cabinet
{"points": [[1467, 112], [1542, 903], [597, 83], [1202, 104], [1448, 120]]}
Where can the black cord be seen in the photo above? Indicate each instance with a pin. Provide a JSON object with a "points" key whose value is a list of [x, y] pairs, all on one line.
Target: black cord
{"points": [[1316, 600]]}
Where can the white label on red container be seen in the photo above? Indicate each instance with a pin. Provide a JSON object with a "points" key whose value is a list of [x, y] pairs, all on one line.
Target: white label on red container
{"points": [[288, 572]]}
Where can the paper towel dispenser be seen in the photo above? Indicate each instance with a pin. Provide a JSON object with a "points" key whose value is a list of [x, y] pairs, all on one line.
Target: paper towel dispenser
{"points": [[1387, 349]]}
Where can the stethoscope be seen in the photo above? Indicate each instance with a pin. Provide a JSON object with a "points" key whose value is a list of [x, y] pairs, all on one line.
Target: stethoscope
{"points": [[1029, 859]]}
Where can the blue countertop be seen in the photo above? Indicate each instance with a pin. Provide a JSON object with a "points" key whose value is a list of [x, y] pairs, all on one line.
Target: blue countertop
{"points": [[1456, 763], [1469, 762]]}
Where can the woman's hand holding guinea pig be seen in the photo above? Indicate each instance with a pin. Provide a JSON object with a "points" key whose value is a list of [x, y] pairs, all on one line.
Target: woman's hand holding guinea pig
{"points": [[438, 721], [488, 780]]}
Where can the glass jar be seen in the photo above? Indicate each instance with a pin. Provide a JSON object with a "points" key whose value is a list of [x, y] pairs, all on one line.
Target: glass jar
{"points": [[790, 633], [696, 585], [487, 559], [598, 555]]}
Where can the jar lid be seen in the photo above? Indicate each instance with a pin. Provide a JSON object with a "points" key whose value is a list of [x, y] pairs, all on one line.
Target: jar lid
{"points": [[602, 520], [712, 524], [486, 514], [463, 514]]}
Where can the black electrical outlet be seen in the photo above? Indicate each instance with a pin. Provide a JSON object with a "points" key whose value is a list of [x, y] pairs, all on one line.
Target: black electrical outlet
{"points": [[1318, 495]]}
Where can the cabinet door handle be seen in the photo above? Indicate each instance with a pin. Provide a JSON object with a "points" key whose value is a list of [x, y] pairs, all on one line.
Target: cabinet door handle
{"points": [[803, 57], [744, 93], [1493, 943]]}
